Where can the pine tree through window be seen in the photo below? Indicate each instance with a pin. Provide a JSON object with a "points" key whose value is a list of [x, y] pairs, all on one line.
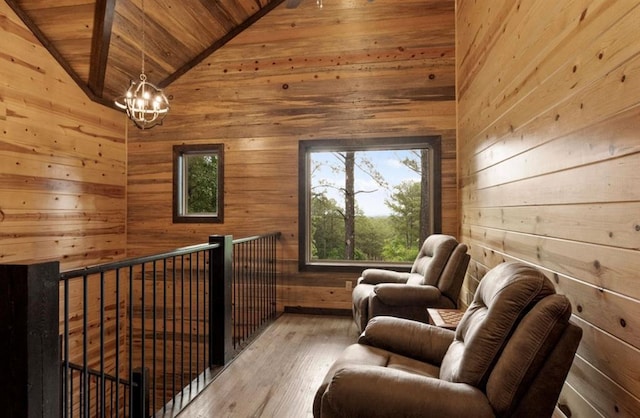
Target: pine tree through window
{"points": [[198, 183], [367, 202]]}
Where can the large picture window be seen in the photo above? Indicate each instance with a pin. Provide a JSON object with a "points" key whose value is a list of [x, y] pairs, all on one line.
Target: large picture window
{"points": [[367, 202], [198, 183]]}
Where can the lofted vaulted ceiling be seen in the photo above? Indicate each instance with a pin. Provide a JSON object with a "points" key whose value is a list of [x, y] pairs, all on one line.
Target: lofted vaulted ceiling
{"points": [[99, 42]]}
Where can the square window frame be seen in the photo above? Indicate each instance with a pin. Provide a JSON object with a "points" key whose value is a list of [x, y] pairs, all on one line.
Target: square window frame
{"points": [[359, 144], [178, 198]]}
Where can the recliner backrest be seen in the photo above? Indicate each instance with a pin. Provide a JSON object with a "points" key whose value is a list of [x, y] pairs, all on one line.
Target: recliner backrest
{"points": [[505, 295], [433, 257], [525, 354], [514, 342], [453, 273]]}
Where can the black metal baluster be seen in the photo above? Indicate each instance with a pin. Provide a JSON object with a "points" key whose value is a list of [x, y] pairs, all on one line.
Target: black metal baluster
{"points": [[181, 322], [239, 271], [207, 309], [84, 393], [98, 400], [102, 375], [143, 390], [256, 285], [238, 255], [111, 398], [256, 263], [263, 279], [130, 334], [71, 393], [252, 279], [198, 315], [247, 294], [235, 286], [236, 331], [67, 395], [126, 400], [117, 342], [267, 278], [237, 262], [267, 267], [272, 299], [173, 353], [190, 319], [153, 353], [164, 330], [248, 246], [273, 276], [259, 266]]}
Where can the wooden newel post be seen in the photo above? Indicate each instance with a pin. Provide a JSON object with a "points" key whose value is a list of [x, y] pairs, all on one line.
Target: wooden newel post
{"points": [[220, 276], [29, 345]]}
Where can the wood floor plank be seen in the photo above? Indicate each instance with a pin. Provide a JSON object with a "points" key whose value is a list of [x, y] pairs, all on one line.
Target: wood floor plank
{"points": [[278, 374]]}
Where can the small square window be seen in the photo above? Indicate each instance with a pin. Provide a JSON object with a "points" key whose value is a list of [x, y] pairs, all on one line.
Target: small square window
{"points": [[198, 183]]}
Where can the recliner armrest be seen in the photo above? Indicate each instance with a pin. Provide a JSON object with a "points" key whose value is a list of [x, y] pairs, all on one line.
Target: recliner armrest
{"points": [[393, 294], [408, 338], [375, 276], [373, 391]]}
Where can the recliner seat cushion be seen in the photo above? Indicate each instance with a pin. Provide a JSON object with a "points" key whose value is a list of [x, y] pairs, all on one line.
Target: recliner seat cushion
{"points": [[362, 355]]}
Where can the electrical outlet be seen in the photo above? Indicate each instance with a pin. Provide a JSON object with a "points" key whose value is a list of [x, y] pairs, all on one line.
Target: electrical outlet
{"points": [[347, 285]]}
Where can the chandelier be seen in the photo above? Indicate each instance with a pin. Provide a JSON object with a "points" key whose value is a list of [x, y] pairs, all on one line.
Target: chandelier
{"points": [[145, 104]]}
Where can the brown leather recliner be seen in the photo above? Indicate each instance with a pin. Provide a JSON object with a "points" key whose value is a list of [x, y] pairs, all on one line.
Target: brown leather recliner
{"points": [[434, 281], [509, 357]]}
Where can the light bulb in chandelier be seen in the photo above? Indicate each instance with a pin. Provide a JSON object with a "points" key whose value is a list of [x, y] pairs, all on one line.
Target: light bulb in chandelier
{"points": [[145, 104]]}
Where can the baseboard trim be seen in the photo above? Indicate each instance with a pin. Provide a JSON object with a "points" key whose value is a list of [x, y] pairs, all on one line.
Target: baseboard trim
{"points": [[317, 311]]}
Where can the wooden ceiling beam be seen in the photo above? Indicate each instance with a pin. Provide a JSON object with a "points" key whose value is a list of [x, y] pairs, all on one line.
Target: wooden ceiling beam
{"points": [[102, 28], [48, 45], [172, 54]]}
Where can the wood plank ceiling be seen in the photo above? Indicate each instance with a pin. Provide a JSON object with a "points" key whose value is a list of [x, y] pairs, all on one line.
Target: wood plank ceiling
{"points": [[99, 42]]}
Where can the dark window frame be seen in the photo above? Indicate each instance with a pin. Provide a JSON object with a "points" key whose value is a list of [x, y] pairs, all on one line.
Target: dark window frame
{"points": [[433, 142], [178, 152]]}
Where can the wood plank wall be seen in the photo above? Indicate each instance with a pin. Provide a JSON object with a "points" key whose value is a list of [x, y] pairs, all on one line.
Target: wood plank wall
{"points": [[62, 175], [62, 160], [349, 70], [549, 150]]}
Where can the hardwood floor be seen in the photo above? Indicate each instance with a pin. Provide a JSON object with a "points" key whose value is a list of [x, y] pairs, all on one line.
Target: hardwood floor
{"points": [[278, 374]]}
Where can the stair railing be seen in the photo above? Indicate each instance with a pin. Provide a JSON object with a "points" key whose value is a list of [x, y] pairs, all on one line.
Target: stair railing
{"points": [[138, 337]]}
